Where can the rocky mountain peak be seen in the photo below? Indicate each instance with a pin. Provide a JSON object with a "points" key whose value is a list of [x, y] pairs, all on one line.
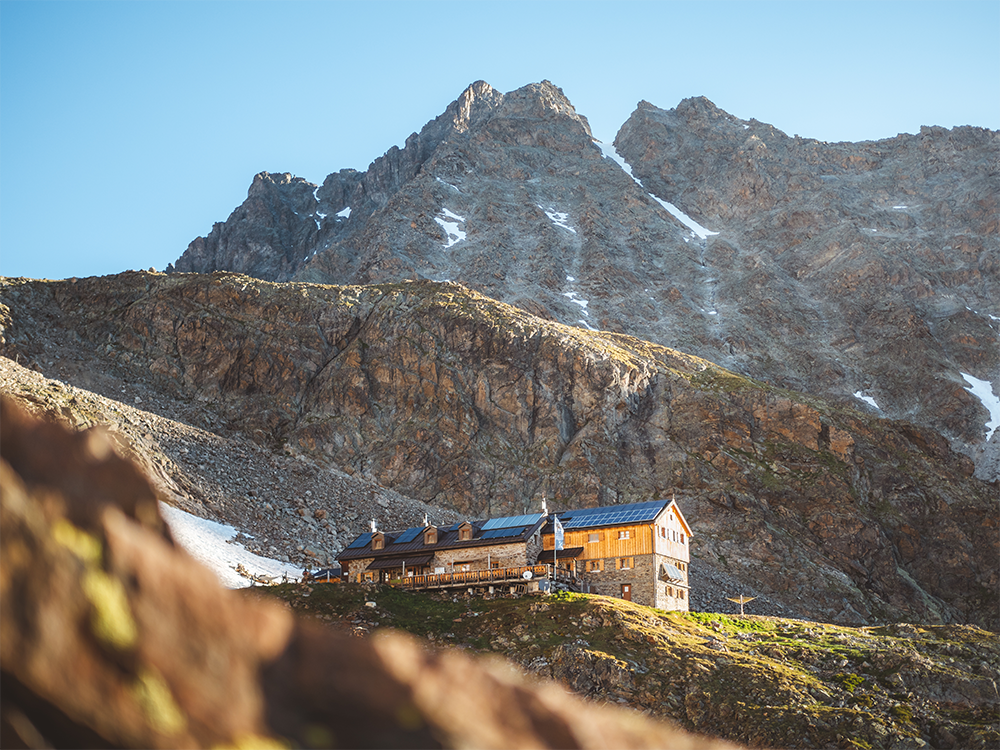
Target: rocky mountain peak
{"points": [[477, 101], [265, 183], [542, 100], [813, 261]]}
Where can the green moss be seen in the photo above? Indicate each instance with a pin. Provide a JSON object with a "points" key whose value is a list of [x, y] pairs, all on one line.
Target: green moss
{"points": [[153, 695], [733, 624], [85, 546], [850, 681], [255, 742], [902, 713], [715, 378], [111, 618]]}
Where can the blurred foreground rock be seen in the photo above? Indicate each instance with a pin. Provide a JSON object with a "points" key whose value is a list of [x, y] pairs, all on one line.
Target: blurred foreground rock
{"points": [[111, 636]]}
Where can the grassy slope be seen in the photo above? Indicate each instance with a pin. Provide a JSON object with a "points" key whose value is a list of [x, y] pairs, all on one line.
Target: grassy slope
{"points": [[760, 681]]}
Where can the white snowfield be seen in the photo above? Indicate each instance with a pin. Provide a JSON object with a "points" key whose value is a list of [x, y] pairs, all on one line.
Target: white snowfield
{"points": [[451, 227], [572, 297], [559, 218], [983, 390], [208, 543], [696, 229], [866, 399]]}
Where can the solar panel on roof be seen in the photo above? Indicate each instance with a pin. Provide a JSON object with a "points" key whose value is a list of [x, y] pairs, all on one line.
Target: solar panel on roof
{"points": [[361, 541], [612, 516], [500, 533], [409, 535], [511, 521]]}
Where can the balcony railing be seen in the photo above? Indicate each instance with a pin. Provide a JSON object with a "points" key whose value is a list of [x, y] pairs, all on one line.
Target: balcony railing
{"points": [[473, 577]]}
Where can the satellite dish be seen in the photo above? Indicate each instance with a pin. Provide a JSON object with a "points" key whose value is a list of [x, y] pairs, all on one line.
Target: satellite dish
{"points": [[526, 575]]}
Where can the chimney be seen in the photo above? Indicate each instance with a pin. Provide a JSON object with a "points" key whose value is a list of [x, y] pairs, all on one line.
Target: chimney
{"points": [[426, 522], [545, 506], [374, 526]]}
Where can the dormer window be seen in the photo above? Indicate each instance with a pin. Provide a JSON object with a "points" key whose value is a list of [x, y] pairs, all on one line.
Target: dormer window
{"points": [[465, 532], [378, 540], [431, 535]]}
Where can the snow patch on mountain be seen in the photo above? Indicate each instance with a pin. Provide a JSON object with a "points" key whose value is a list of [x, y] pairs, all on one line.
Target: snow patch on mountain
{"points": [[448, 184], [212, 545], [983, 390], [450, 228], [573, 297], [696, 229], [867, 399], [558, 218]]}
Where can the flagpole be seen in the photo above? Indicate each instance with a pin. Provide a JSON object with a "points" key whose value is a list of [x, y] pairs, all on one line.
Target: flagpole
{"points": [[557, 544]]}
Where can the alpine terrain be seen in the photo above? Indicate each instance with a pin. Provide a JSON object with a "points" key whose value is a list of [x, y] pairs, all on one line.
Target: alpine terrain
{"points": [[796, 340]]}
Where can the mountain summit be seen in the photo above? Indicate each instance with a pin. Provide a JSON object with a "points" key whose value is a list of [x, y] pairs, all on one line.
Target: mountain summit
{"points": [[868, 273]]}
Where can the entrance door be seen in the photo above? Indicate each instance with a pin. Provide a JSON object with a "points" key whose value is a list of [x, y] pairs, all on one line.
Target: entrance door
{"points": [[627, 592]]}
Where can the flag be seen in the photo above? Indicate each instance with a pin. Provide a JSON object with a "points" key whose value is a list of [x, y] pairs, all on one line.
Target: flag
{"points": [[559, 534]]}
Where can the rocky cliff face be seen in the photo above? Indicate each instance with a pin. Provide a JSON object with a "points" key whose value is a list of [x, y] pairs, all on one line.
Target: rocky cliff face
{"points": [[877, 263], [462, 402], [852, 271]]}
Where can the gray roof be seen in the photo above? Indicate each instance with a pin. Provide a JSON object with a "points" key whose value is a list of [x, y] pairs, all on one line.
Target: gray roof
{"points": [[484, 533]]}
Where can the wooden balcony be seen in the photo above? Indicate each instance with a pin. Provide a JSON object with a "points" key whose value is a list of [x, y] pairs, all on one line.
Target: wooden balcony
{"points": [[469, 578]]}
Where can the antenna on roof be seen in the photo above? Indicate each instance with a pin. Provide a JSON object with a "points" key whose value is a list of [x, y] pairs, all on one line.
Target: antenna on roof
{"points": [[374, 526]]}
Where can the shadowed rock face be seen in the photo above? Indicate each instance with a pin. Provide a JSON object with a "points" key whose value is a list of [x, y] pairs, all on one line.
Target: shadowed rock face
{"points": [[112, 637], [872, 267], [837, 269], [465, 403]]}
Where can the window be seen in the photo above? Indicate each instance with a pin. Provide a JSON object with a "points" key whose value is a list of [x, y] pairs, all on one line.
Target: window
{"points": [[465, 532], [464, 565], [663, 532], [682, 539], [378, 541], [625, 563], [431, 536], [593, 538], [670, 590], [623, 534], [680, 593], [593, 565]]}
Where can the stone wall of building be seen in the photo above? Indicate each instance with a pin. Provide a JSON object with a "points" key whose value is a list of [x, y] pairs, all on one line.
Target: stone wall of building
{"points": [[644, 578], [672, 596], [514, 555], [608, 582], [355, 568]]}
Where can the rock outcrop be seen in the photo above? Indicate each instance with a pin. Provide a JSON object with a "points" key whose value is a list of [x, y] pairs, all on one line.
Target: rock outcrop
{"points": [[762, 681], [465, 403], [858, 272], [112, 637], [843, 268]]}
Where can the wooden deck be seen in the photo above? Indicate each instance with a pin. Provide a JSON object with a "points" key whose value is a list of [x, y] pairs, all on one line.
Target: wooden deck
{"points": [[479, 578]]}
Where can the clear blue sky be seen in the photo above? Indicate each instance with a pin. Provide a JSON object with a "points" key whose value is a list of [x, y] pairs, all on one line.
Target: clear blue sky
{"points": [[128, 128]]}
